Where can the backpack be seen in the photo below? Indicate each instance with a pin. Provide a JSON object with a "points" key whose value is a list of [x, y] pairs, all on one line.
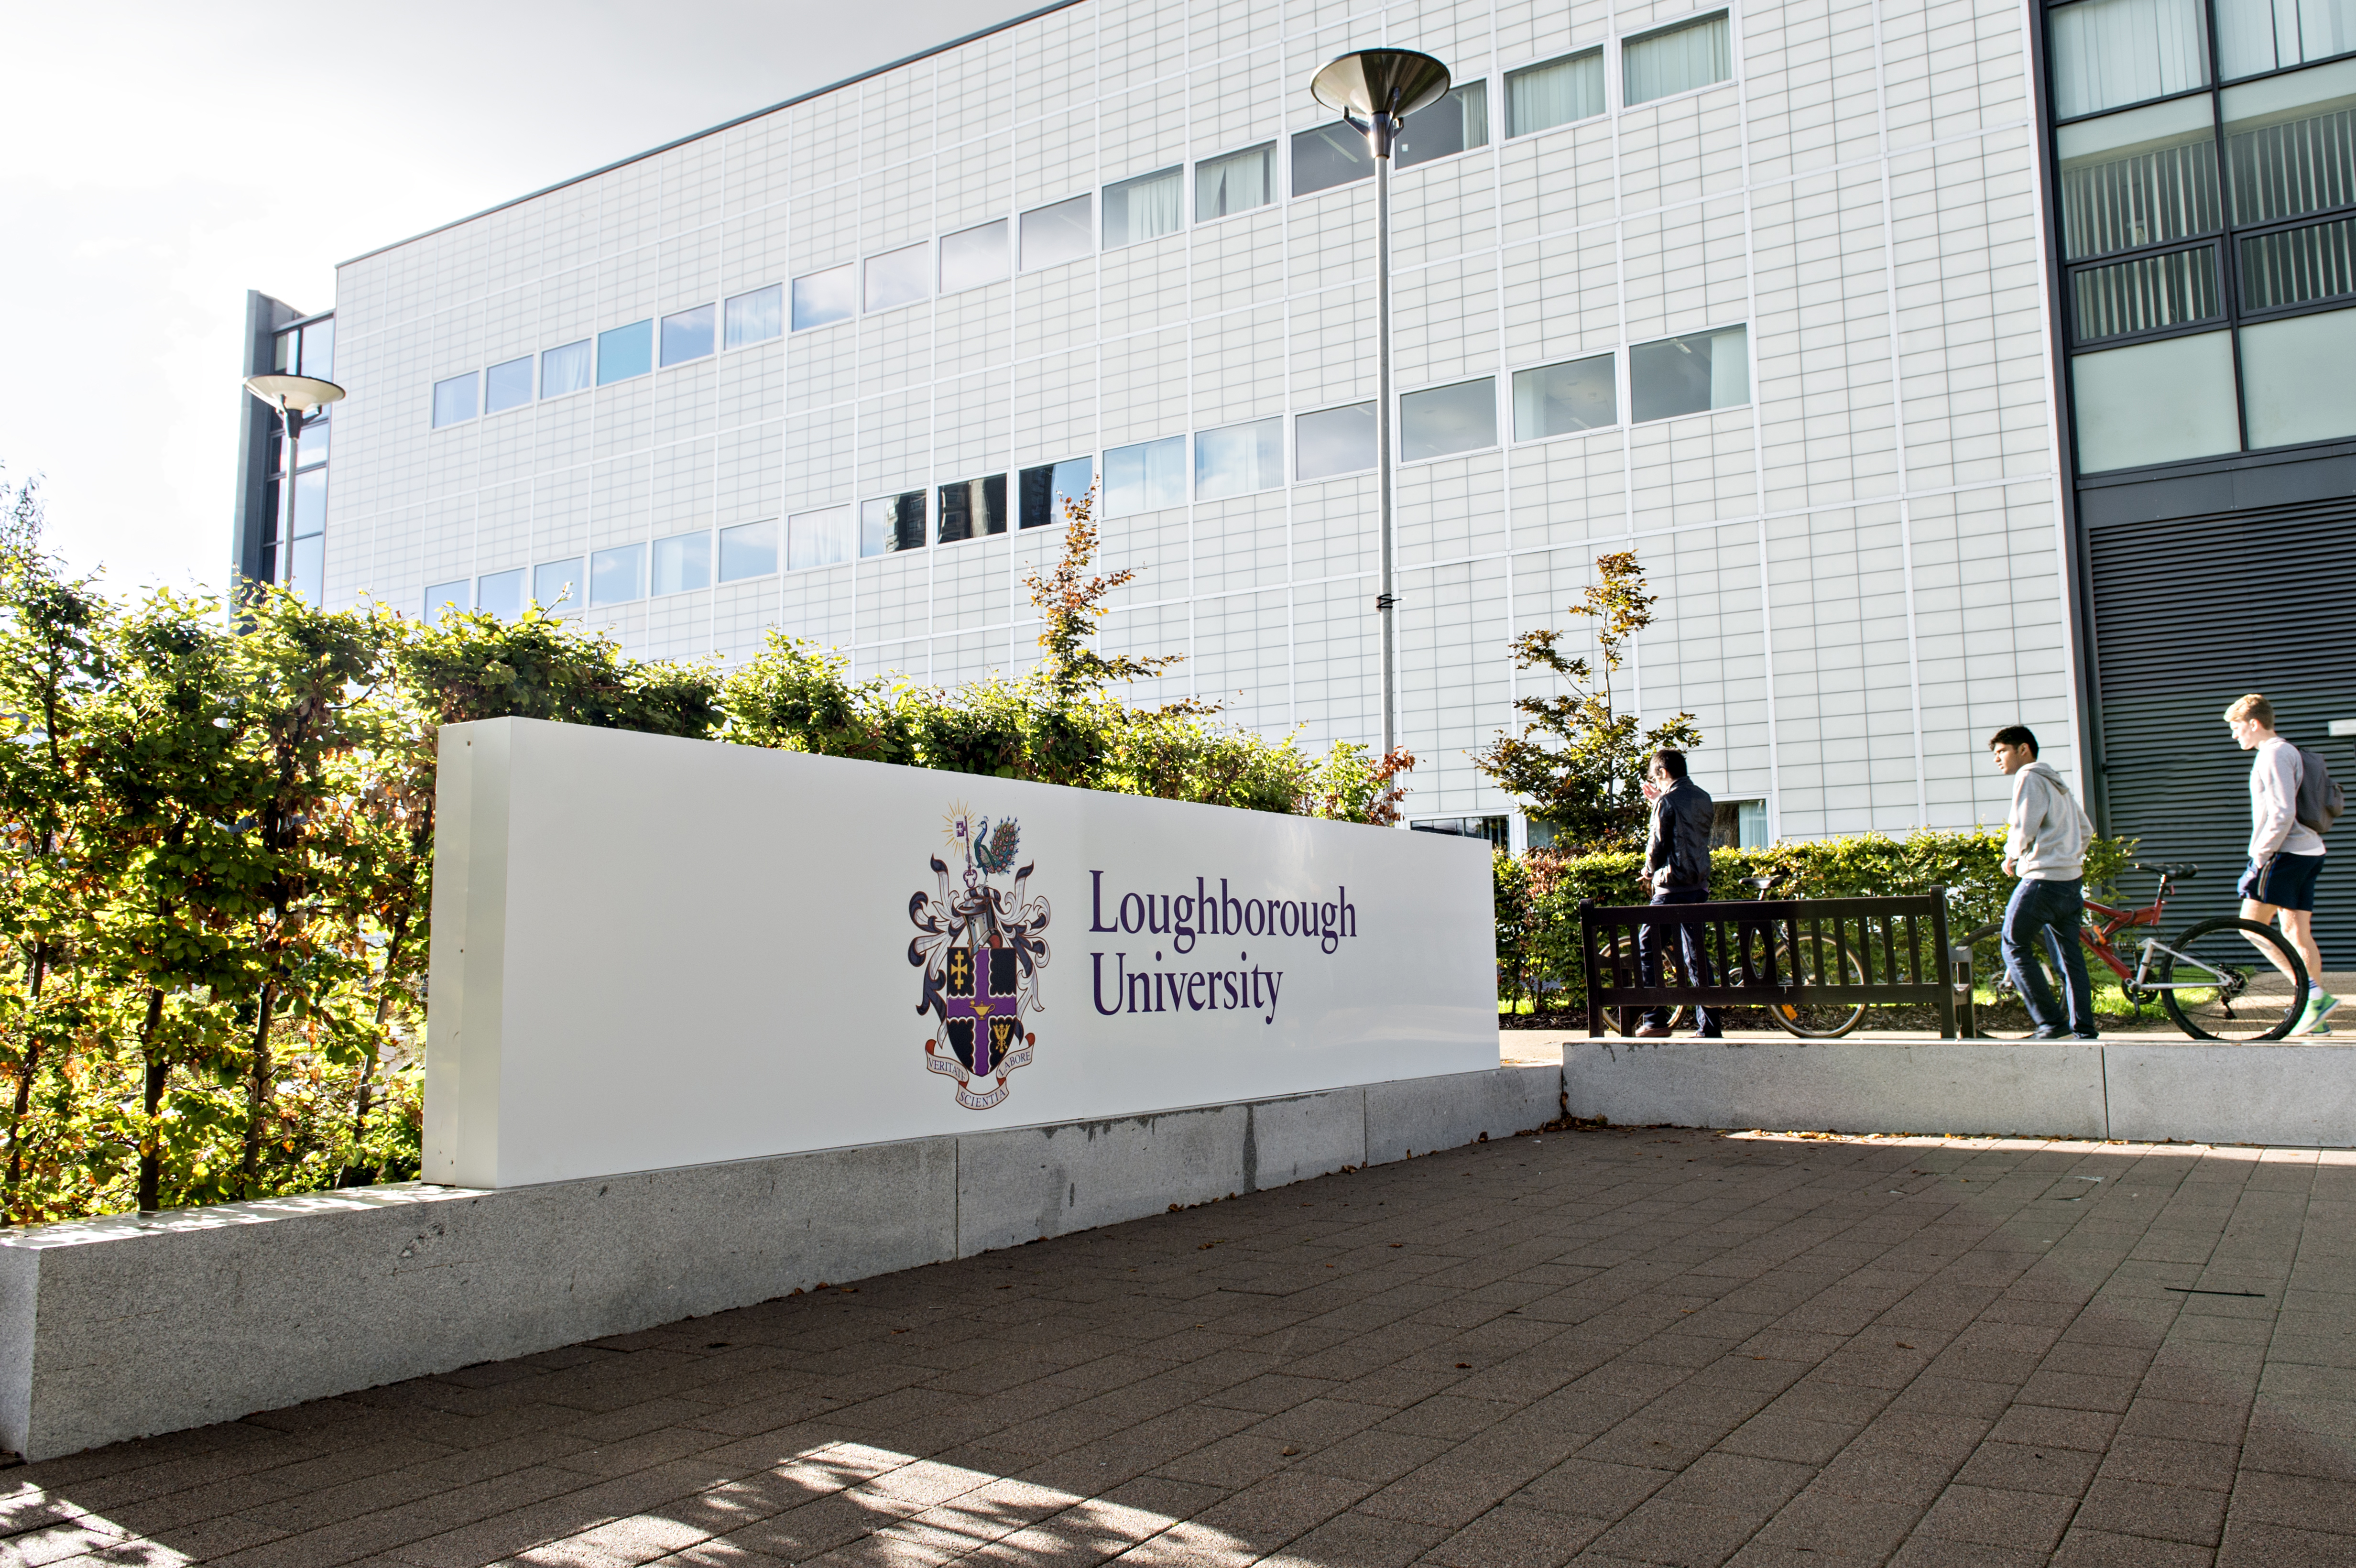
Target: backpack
{"points": [[2321, 800]]}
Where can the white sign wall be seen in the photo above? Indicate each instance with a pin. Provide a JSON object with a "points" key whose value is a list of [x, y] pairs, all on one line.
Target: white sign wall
{"points": [[651, 953]]}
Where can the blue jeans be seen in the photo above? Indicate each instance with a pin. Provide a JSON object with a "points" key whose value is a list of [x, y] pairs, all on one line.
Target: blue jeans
{"points": [[1651, 939], [2049, 913]]}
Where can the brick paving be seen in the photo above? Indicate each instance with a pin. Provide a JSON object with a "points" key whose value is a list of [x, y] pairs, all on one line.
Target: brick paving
{"points": [[1598, 1346]]}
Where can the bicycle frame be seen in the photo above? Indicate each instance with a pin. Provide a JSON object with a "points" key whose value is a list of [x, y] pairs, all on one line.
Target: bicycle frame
{"points": [[2099, 941]]}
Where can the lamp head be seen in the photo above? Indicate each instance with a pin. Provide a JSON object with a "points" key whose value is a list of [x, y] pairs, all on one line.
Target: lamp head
{"points": [[1394, 83], [300, 394]]}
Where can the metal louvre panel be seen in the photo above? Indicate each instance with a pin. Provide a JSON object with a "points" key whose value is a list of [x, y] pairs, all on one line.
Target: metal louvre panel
{"points": [[2189, 613]]}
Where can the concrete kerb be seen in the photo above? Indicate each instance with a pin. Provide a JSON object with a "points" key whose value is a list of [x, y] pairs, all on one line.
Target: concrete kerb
{"points": [[129, 1326]]}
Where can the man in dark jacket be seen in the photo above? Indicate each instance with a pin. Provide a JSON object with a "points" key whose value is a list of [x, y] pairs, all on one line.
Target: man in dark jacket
{"points": [[1676, 865]]}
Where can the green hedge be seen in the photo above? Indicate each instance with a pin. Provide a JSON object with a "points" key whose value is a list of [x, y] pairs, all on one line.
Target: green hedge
{"points": [[1538, 894]]}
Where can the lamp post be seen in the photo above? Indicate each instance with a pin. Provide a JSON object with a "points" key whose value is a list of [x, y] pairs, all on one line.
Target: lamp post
{"points": [[1374, 90], [296, 399]]}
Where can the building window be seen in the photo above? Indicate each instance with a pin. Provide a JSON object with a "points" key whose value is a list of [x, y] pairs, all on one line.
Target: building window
{"points": [[448, 596], [1539, 97], [1456, 122], [2293, 266], [306, 561], [749, 549], [2146, 295], [1235, 182], [554, 585], [625, 352], [1690, 375], [2139, 178], [500, 594], [2107, 53], [971, 508], [308, 513], [2294, 381], [1739, 824], [2290, 143], [817, 538], [1329, 156], [453, 400], [1439, 420], [892, 522], [619, 575], [756, 317], [898, 277], [1054, 235], [564, 369], [1689, 55], [974, 257], [683, 564], [2155, 403], [687, 334], [1238, 459], [1047, 489], [315, 432], [1493, 830], [318, 357], [1334, 440], [823, 298], [1561, 400], [2256, 36], [1144, 208], [507, 386], [1145, 477]]}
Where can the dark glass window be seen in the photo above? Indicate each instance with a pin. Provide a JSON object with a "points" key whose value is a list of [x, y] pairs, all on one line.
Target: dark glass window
{"points": [[2146, 294], [892, 522], [1329, 156], [971, 508], [1047, 488], [1458, 121]]}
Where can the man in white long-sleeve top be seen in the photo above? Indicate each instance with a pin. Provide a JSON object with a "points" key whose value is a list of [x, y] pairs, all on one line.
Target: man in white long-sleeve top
{"points": [[2286, 854], [2045, 841]]}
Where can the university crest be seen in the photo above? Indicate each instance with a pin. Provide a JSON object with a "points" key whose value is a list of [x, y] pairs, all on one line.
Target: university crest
{"points": [[979, 946]]}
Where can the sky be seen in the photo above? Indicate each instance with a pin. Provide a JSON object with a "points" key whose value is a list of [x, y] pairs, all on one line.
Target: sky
{"points": [[164, 156]]}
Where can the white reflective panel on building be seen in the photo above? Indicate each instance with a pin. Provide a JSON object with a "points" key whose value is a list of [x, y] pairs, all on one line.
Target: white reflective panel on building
{"points": [[2155, 403]]}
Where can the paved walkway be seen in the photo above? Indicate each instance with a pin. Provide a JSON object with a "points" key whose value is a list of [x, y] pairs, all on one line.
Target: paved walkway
{"points": [[1607, 1345]]}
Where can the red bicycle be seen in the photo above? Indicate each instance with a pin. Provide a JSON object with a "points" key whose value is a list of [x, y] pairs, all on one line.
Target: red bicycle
{"points": [[2215, 980]]}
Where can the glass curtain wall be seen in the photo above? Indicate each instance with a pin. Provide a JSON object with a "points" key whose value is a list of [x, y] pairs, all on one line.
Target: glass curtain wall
{"points": [[2208, 224]]}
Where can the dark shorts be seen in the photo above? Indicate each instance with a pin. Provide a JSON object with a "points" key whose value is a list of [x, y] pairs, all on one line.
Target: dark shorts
{"points": [[2286, 881]]}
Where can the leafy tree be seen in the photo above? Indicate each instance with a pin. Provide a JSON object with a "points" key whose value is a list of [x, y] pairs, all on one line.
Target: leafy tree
{"points": [[1579, 762]]}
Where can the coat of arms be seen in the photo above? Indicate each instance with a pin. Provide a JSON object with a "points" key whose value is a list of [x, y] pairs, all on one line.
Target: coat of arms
{"points": [[980, 951]]}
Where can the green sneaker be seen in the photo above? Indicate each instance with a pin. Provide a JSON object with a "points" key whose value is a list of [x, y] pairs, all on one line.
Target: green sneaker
{"points": [[2319, 1005]]}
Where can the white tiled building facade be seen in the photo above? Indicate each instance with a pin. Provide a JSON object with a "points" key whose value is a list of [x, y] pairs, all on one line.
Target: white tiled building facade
{"points": [[1855, 536]]}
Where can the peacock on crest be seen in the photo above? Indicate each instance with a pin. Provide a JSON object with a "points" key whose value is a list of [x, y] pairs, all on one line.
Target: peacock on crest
{"points": [[994, 848]]}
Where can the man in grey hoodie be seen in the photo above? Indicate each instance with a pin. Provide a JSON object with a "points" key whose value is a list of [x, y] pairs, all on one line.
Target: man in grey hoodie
{"points": [[2045, 846]]}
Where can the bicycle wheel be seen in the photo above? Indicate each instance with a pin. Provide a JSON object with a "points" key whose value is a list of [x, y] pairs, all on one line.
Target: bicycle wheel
{"points": [[1820, 959], [1628, 1021], [2217, 984]]}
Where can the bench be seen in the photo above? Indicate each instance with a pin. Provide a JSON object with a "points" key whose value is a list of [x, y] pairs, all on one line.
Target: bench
{"points": [[1839, 953]]}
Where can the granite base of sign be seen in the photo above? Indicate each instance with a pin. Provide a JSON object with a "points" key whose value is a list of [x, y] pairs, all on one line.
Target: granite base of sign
{"points": [[2302, 1095], [127, 1326]]}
